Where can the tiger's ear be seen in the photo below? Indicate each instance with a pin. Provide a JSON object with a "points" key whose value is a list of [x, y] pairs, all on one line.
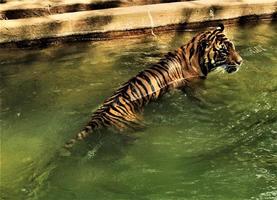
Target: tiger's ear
{"points": [[220, 27]]}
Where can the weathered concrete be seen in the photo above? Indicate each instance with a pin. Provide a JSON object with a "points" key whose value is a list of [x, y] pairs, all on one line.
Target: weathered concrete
{"points": [[36, 8], [114, 22]]}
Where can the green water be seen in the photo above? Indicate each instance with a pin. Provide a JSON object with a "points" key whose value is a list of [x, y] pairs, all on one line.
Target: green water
{"points": [[221, 147]]}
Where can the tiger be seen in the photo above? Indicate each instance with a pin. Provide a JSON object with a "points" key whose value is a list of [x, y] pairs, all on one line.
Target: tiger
{"points": [[205, 52]]}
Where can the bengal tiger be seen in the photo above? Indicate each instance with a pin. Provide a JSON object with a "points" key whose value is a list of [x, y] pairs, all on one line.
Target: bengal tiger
{"points": [[205, 52]]}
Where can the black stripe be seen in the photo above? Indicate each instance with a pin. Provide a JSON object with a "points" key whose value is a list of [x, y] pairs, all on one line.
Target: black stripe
{"points": [[179, 64], [214, 33], [119, 110], [192, 40], [123, 107], [179, 59], [201, 60], [191, 51], [105, 122], [130, 103], [115, 116], [157, 78], [149, 81], [143, 86], [162, 68], [122, 119], [109, 121], [139, 94], [165, 68], [160, 72], [118, 119], [134, 93]]}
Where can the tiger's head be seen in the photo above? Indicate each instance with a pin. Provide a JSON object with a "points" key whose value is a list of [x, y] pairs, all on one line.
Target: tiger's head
{"points": [[217, 51]]}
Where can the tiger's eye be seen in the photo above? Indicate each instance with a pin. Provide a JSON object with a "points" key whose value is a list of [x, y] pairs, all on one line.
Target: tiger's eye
{"points": [[223, 50]]}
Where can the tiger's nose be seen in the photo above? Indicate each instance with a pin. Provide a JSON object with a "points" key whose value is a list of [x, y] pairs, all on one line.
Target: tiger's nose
{"points": [[239, 61]]}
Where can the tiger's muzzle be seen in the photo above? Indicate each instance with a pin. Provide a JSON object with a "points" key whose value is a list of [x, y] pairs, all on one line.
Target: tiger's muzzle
{"points": [[235, 63]]}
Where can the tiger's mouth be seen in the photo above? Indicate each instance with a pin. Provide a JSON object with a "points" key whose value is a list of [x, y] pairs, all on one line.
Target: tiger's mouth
{"points": [[231, 68]]}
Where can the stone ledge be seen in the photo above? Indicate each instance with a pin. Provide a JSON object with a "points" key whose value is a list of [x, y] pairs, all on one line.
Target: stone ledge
{"points": [[115, 22]]}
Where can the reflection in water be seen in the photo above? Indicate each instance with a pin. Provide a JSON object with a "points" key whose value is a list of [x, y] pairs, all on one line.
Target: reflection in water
{"points": [[219, 145]]}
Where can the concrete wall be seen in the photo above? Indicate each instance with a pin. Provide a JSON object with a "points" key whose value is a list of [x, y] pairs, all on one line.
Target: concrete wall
{"points": [[33, 8], [130, 21]]}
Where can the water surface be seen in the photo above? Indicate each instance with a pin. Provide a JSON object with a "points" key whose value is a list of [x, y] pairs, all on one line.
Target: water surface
{"points": [[221, 146]]}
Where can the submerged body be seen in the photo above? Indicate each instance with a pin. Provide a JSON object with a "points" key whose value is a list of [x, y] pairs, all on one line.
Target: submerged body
{"points": [[205, 52]]}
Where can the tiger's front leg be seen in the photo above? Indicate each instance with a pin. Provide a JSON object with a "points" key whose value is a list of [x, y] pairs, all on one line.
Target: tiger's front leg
{"points": [[194, 90]]}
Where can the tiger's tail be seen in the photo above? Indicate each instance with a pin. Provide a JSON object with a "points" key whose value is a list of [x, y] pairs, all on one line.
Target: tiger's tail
{"points": [[80, 136], [86, 132]]}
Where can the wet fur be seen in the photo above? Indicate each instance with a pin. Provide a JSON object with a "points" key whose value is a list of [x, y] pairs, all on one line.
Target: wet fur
{"points": [[202, 54]]}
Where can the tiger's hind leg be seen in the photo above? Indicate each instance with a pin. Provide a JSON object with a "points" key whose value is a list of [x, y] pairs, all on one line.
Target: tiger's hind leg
{"points": [[130, 133]]}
